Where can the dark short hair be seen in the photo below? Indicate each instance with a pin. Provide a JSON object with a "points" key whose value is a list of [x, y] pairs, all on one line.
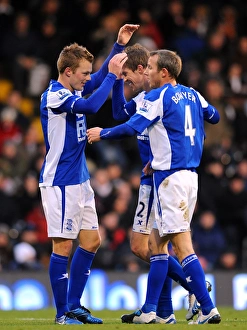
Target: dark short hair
{"points": [[137, 55]]}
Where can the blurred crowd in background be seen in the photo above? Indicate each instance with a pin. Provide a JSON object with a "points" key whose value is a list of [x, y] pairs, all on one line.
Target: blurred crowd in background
{"points": [[211, 38]]}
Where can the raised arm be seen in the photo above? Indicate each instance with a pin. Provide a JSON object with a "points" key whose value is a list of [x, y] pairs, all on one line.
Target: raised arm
{"points": [[93, 103], [121, 109], [124, 35]]}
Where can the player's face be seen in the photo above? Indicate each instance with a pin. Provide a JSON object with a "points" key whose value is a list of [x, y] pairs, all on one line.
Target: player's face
{"points": [[152, 73], [81, 75], [134, 79]]}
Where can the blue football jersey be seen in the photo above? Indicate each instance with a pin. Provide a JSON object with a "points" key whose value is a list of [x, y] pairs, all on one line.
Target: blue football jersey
{"points": [[143, 143], [174, 116], [65, 138], [64, 126], [123, 110]]}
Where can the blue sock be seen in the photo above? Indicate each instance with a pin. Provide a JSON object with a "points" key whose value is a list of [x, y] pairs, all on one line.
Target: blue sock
{"points": [[175, 272], [165, 308], [59, 282], [79, 273], [156, 278], [196, 278]]}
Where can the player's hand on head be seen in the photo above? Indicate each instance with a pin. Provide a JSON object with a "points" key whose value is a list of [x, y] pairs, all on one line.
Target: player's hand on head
{"points": [[116, 63], [93, 134], [125, 33]]}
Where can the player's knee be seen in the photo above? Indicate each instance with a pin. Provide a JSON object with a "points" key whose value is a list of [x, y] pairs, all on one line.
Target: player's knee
{"points": [[91, 245], [62, 246], [96, 244], [140, 251]]}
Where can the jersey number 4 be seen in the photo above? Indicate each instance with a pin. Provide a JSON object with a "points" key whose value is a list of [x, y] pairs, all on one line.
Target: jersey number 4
{"points": [[188, 128]]}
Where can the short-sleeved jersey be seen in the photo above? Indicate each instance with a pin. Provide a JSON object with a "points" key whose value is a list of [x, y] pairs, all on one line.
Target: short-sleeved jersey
{"points": [[65, 138], [177, 137]]}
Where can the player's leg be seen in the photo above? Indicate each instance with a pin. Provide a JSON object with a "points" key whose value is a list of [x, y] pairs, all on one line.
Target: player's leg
{"points": [[139, 245], [142, 223], [61, 249], [89, 242], [80, 266], [196, 277], [142, 227], [156, 280], [164, 312], [184, 185]]}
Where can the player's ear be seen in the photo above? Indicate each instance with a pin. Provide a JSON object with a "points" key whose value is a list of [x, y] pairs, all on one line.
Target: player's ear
{"points": [[164, 72], [68, 71], [140, 68]]}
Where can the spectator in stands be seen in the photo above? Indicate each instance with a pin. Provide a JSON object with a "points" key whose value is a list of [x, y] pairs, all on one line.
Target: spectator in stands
{"points": [[229, 260], [216, 47], [208, 239], [172, 21], [241, 170], [6, 20], [6, 249], [104, 190], [211, 183], [240, 54], [9, 208], [148, 28], [236, 81], [14, 105], [189, 44], [88, 15], [214, 91], [13, 165], [232, 211], [51, 41], [28, 195], [25, 250], [112, 237], [21, 53]]}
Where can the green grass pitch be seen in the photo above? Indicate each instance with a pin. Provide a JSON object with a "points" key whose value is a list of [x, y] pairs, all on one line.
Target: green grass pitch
{"points": [[44, 320]]}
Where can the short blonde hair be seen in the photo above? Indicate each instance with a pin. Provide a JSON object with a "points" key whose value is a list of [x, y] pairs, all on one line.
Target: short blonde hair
{"points": [[71, 56]]}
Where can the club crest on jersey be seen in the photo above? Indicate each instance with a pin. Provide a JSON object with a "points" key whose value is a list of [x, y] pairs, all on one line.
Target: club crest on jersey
{"points": [[146, 106], [62, 93]]}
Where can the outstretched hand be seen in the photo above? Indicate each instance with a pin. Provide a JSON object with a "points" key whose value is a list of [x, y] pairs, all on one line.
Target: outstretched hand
{"points": [[93, 134], [125, 33]]}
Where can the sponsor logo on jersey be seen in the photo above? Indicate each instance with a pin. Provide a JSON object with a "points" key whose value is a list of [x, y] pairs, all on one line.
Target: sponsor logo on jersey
{"points": [[146, 106], [80, 128], [62, 93], [142, 137]]}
